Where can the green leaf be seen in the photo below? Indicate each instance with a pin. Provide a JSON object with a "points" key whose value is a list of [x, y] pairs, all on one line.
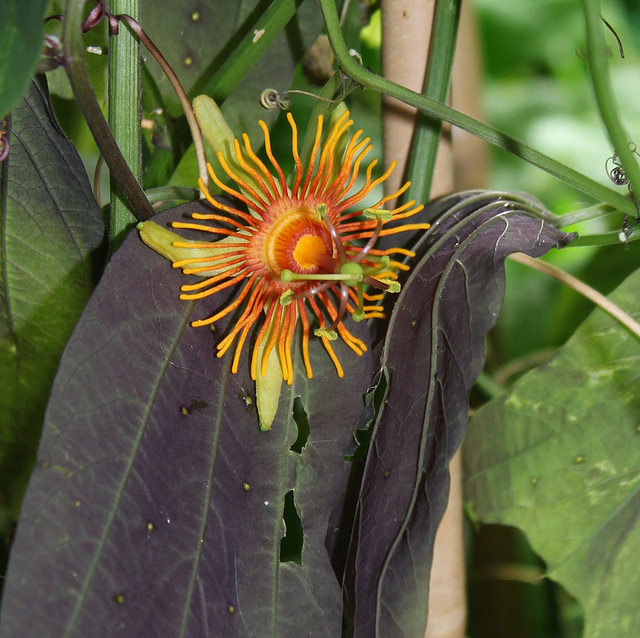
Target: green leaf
{"points": [[51, 230], [559, 457], [21, 33]]}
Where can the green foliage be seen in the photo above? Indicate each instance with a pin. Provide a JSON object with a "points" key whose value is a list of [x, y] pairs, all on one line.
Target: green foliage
{"points": [[20, 43], [559, 457], [256, 45], [51, 234]]}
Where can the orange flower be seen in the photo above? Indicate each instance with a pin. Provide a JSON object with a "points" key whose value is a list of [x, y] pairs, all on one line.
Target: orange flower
{"points": [[302, 246]]}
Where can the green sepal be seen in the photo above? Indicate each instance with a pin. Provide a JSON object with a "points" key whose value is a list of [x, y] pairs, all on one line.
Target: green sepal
{"points": [[268, 388]]}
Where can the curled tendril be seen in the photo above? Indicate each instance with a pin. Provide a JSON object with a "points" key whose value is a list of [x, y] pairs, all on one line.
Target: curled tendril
{"points": [[270, 100], [95, 16], [615, 170]]}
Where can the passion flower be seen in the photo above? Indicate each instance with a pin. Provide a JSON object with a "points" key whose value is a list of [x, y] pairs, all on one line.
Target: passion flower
{"points": [[302, 253]]}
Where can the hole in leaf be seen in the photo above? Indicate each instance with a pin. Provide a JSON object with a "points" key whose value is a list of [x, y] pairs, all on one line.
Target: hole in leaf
{"points": [[293, 539], [374, 401], [302, 423]]}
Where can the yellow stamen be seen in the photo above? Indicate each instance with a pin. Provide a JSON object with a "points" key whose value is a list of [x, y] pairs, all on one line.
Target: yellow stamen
{"points": [[272, 159]]}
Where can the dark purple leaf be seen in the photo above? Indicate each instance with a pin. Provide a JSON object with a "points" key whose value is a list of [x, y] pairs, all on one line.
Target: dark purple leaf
{"points": [[156, 508], [434, 351]]}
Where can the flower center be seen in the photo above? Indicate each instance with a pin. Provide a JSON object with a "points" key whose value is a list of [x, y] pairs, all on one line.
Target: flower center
{"points": [[307, 250], [301, 243]]}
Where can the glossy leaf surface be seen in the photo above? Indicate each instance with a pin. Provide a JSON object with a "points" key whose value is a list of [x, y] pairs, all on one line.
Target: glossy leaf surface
{"points": [[21, 34], [434, 352], [51, 231], [559, 457], [157, 504]]}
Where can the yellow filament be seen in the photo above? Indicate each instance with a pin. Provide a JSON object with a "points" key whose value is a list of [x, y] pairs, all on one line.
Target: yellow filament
{"points": [[232, 306], [352, 166], [272, 159], [332, 356], [401, 229], [238, 180], [222, 186], [208, 281], [364, 191], [399, 265], [312, 159], [324, 166], [388, 198], [305, 338], [347, 167], [256, 347], [213, 260], [256, 176], [260, 164], [295, 153], [248, 318]]}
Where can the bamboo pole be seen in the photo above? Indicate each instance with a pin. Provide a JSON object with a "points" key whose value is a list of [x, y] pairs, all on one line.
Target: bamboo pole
{"points": [[406, 26]]}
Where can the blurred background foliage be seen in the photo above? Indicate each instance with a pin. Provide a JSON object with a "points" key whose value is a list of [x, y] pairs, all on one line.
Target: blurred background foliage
{"points": [[535, 87]]}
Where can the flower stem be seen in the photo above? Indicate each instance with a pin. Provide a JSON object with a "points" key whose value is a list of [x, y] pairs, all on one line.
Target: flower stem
{"points": [[435, 109]]}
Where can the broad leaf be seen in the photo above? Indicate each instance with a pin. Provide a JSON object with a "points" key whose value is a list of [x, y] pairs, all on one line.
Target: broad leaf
{"points": [[434, 351], [51, 230], [156, 508], [21, 39], [559, 457]]}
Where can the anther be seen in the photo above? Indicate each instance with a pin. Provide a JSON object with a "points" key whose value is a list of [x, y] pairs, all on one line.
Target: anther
{"points": [[286, 297], [378, 213], [323, 333]]}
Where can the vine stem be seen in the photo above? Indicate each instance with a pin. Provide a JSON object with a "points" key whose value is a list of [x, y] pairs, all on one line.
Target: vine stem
{"points": [[370, 80], [81, 85], [597, 54], [580, 287], [123, 109]]}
